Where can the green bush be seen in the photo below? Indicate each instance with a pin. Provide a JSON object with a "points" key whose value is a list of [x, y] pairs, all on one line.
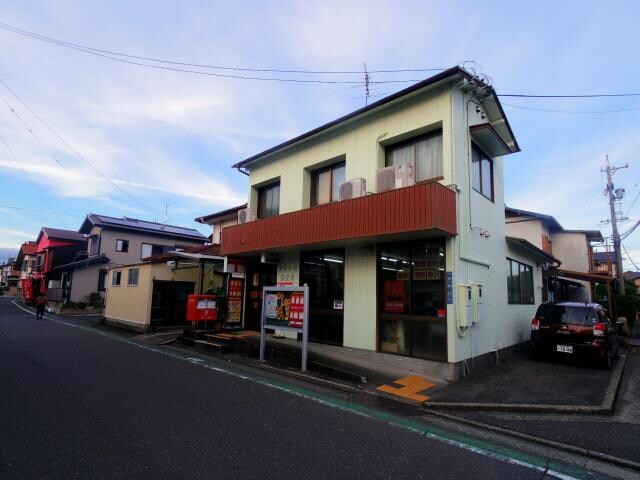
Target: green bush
{"points": [[94, 299]]}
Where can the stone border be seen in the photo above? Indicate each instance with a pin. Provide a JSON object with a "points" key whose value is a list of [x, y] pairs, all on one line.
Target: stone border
{"points": [[606, 407]]}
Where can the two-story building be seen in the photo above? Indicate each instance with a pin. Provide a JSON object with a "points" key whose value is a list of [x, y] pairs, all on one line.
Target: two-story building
{"points": [[394, 217], [574, 279], [26, 263], [118, 241], [54, 247]]}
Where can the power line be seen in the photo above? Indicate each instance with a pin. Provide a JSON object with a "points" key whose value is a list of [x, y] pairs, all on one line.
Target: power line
{"points": [[24, 171], [70, 147], [522, 107], [629, 257], [50, 212], [113, 55], [587, 95]]}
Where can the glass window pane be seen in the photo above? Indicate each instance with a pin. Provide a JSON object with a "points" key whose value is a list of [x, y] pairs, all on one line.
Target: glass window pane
{"points": [[338, 178], [515, 277], [394, 262], [323, 187], [398, 155], [475, 167], [429, 158], [427, 277], [487, 185], [275, 200]]}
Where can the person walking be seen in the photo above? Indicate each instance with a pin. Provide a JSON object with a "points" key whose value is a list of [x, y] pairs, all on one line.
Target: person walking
{"points": [[41, 303]]}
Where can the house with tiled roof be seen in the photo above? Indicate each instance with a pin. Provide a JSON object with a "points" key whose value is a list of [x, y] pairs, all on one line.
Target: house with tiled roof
{"points": [[113, 241]]}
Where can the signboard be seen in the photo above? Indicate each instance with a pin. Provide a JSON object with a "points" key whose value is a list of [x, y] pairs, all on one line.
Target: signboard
{"points": [[235, 296], [286, 308], [450, 288], [27, 290]]}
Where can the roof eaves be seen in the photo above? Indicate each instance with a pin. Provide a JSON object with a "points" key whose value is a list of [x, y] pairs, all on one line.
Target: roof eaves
{"points": [[444, 75]]}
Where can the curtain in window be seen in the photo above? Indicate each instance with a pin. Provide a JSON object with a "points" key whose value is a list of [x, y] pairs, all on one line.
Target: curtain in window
{"points": [[429, 158]]}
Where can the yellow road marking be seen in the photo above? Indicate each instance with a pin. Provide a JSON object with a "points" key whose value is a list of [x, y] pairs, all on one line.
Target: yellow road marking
{"points": [[410, 388]]}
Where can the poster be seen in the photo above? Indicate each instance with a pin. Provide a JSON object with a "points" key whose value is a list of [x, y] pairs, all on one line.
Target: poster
{"points": [[27, 289], [284, 309], [236, 290]]}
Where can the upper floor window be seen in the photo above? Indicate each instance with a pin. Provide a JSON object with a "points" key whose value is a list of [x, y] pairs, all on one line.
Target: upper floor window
{"points": [[519, 283], [424, 152], [149, 249], [116, 276], [122, 245], [94, 245], [269, 200], [325, 184], [482, 172]]}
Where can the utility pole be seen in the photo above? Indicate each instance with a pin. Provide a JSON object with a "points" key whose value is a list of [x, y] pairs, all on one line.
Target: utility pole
{"points": [[613, 196]]}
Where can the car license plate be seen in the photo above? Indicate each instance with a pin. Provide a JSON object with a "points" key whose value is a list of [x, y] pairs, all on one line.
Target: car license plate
{"points": [[564, 348]]}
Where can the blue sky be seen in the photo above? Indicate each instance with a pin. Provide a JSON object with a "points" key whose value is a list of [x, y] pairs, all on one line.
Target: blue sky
{"points": [[170, 138]]}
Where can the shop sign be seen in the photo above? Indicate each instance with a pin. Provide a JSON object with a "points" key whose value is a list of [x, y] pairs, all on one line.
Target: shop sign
{"points": [[234, 305], [285, 308], [27, 289], [450, 288]]}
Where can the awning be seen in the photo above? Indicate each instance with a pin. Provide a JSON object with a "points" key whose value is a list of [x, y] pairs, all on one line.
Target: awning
{"points": [[585, 277], [532, 249], [489, 140]]}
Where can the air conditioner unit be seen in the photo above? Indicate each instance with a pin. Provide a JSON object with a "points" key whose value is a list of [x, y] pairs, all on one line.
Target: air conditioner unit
{"points": [[385, 179], [405, 175], [353, 188], [246, 215]]}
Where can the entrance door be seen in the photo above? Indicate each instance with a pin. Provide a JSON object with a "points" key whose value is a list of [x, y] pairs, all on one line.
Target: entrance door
{"points": [[169, 302], [324, 273], [258, 275]]}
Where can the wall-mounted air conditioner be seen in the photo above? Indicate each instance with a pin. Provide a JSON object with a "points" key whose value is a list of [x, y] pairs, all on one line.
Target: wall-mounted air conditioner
{"points": [[353, 188], [385, 179], [405, 175], [246, 215]]}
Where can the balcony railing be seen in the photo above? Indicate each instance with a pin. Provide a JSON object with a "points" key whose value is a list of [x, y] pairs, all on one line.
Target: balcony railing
{"points": [[427, 206]]}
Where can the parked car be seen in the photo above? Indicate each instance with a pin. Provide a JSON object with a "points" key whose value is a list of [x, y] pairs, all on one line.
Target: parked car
{"points": [[575, 329]]}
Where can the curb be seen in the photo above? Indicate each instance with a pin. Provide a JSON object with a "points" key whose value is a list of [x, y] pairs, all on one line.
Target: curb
{"points": [[606, 407], [308, 378], [542, 441]]}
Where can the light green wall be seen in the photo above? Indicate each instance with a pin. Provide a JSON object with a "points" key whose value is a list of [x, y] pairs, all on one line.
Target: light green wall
{"points": [[360, 297]]}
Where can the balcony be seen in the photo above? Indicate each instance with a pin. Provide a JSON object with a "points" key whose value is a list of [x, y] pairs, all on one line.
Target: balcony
{"points": [[426, 206]]}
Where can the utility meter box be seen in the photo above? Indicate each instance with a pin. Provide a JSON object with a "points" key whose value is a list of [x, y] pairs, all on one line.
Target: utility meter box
{"points": [[478, 302], [465, 314], [202, 308]]}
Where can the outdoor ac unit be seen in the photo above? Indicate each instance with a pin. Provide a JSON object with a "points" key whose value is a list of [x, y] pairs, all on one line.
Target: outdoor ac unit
{"points": [[246, 215], [385, 179], [353, 188], [405, 175]]}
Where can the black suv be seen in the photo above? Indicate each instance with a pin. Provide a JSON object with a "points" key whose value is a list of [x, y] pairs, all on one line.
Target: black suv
{"points": [[575, 329]]}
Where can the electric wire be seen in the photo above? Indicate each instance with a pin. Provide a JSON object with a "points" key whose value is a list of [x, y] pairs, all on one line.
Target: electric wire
{"points": [[111, 56], [24, 172], [49, 212], [549, 110], [70, 147], [629, 257]]}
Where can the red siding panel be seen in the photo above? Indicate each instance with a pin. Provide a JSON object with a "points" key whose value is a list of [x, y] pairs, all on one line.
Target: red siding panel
{"points": [[420, 207]]}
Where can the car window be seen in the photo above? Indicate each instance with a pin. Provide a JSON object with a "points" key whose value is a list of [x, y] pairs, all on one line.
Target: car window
{"points": [[566, 314]]}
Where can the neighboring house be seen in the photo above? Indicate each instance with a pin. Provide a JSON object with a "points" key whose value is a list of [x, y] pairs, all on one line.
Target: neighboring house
{"points": [[26, 262], [604, 261], [575, 276], [220, 220], [394, 217], [153, 293], [55, 247], [9, 276], [633, 277], [119, 241]]}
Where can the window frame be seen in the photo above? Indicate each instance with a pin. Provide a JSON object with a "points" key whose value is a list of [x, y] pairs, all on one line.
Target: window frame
{"points": [[414, 141], [483, 156], [130, 277], [124, 245], [521, 289], [103, 273], [315, 175], [262, 191], [116, 274]]}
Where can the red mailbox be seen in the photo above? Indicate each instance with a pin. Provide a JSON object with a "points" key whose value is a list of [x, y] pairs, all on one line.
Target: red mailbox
{"points": [[202, 308]]}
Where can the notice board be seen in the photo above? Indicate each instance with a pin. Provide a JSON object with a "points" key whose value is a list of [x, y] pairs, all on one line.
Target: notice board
{"points": [[285, 308]]}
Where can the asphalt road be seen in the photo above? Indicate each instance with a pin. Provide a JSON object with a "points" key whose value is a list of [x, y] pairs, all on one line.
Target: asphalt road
{"points": [[77, 403]]}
